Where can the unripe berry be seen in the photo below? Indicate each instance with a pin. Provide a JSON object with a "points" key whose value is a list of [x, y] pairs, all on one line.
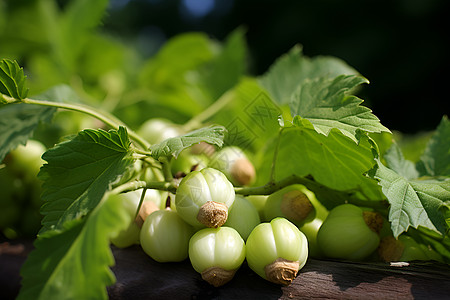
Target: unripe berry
{"points": [[276, 251], [217, 253], [233, 162], [243, 216], [165, 236], [349, 233], [293, 203], [204, 197]]}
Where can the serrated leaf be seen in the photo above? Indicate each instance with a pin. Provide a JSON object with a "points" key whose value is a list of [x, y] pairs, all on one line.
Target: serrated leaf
{"points": [[292, 69], [78, 267], [172, 147], [435, 160], [327, 103], [413, 202], [79, 172], [396, 162], [335, 162], [12, 80], [18, 122]]}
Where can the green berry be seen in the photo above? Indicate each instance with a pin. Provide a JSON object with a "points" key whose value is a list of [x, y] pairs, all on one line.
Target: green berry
{"points": [[165, 236], [349, 233], [276, 251], [204, 197], [233, 162], [217, 253], [293, 203], [243, 216]]}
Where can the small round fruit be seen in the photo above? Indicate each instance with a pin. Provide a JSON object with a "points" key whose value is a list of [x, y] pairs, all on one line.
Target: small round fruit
{"points": [[157, 130], [233, 162], [310, 229], [165, 236], [130, 235], [258, 201], [217, 253], [349, 233], [204, 197], [293, 203], [26, 160], [243, 216], [187, 162], [405, 248], [276, 251]]}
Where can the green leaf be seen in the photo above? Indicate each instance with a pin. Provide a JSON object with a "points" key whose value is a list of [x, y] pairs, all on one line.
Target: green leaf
{"points": [[292, 69], [12, 81], [396, 162], [173, 146], [167, 69], [78, 19], [79, 172], [225, 70], [80, 256], [250, 116], [18, 122], [413, 202], [435, 160], [327, 103], [335, 163]]}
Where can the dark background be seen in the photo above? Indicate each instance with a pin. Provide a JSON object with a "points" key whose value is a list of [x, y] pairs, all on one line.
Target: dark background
{"points": [[401, 46]]}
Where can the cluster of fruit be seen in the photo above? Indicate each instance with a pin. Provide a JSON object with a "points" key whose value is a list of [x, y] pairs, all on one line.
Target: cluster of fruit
{"points": [[217, 229]]}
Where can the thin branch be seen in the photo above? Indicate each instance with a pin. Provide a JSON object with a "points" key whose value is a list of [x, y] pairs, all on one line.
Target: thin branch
{"points": [[104, 117], [214, 108]]}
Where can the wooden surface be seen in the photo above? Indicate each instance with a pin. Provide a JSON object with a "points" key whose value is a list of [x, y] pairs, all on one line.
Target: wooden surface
{"points": [[139, 277]]}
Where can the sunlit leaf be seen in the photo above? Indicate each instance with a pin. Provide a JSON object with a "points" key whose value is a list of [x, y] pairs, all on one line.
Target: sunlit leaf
{"points": [[12, 81], [328, 103], [172, 147], [79, 172], [293, 68]]}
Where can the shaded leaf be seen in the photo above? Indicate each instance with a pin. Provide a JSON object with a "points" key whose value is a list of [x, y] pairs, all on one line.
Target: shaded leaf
{"points": [[413, 202], [78, 267], [78, 173], [18, 122], [225, 70], [78, 19], [335, 163], [396, 162], [435, 160]]}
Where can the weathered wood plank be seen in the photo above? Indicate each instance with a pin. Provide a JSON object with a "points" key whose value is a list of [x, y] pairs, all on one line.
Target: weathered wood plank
{"points": [[140, 277]]}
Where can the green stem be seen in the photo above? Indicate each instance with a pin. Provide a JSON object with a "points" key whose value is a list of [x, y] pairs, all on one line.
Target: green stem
{"points": [[197, 121], [273, 186], [104, 117], [129, 186], [140, 202], [153, 185]]}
